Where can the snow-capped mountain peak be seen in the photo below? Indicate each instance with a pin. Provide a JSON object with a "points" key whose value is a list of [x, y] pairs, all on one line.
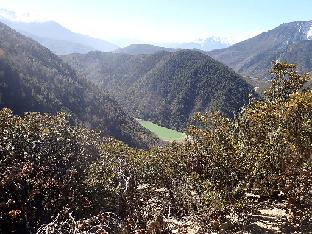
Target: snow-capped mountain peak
{"points": [[304, 30], [309, 32], [211, 43]]}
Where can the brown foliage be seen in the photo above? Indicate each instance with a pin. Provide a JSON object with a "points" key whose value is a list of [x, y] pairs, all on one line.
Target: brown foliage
{"points": [[56, 178]]}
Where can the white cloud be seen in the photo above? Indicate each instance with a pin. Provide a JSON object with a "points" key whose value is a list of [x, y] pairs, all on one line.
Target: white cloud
{"points": [[21, 16]]}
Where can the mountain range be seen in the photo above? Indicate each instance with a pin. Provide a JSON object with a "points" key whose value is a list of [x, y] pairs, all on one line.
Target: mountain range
{"points": [[289, 42], [165, 87], [160, 84], [34, 79], [207, 44], [59, 39], [136, 49]]}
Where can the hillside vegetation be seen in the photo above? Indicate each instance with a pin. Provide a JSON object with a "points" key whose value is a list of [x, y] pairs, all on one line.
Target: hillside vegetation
{"points": [[165, 88], [62, 179], [34, 79]]}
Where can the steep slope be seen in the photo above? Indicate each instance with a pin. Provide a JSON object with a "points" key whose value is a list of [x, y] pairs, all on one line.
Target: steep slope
{"points": [[55, 33], [34, 79], [253, 57], [135, 49], [300, 53], [165, 87]]}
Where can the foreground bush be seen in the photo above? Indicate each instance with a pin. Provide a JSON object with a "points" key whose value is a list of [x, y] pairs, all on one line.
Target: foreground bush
{"points": [[42, 162], [265, 152], [61, 179]]}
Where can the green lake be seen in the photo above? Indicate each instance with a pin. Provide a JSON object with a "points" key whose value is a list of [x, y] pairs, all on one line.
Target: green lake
{"points": [[163, 133]]}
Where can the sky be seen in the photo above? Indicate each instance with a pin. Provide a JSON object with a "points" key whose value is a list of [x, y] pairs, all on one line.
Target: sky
{"points": [[165, 21]]}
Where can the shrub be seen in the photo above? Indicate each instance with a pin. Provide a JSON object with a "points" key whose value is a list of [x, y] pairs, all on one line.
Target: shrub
{"points": [[58, 178]]}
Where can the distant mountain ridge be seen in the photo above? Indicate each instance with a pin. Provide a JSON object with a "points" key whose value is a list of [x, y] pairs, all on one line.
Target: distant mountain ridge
{"points": [[59, 39], [207, 44], [136, 49], [34, 79], [166, 87], [253, 56], [60, 47]]}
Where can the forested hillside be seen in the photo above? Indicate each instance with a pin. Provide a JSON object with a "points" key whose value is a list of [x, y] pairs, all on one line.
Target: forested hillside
{"points": [[34, 79], [167, 88]]}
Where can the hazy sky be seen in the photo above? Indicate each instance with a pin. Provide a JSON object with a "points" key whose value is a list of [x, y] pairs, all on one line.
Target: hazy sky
{"points": [[164, 20]]}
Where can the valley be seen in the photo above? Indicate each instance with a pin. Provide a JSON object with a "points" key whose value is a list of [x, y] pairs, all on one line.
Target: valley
{"points": [[33, 79], [166, 88]]}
